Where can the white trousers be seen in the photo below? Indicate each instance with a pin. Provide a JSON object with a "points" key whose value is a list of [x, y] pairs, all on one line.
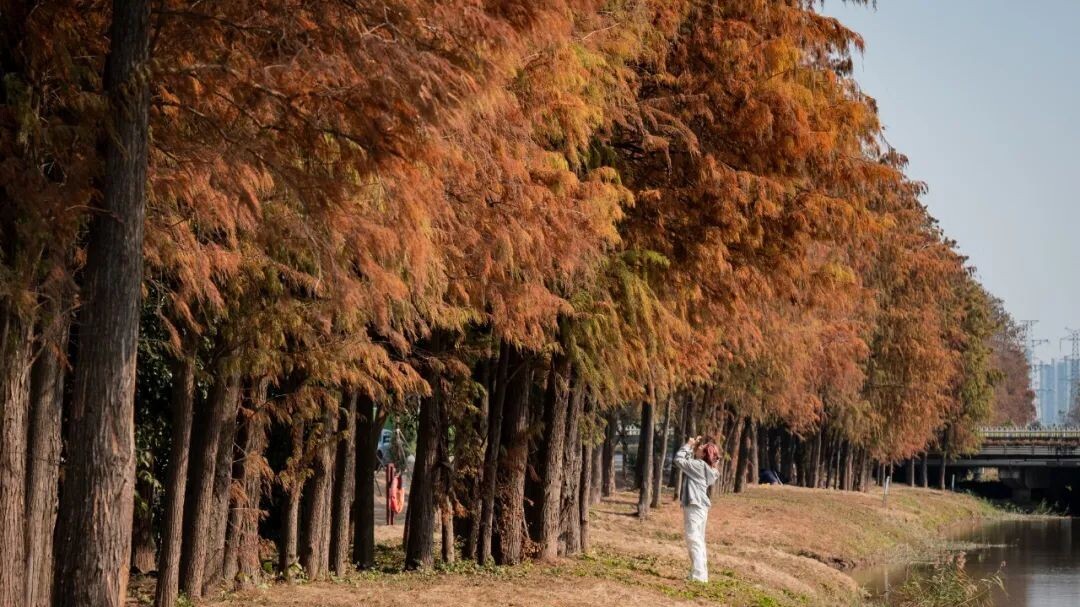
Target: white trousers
{"points": [[694, 519]]}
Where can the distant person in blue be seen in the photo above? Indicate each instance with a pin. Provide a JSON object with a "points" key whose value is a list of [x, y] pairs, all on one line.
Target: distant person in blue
{"points": [[698, 459]]}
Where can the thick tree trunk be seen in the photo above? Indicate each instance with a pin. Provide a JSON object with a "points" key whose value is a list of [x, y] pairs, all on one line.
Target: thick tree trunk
{"points": [[659, 456], [491, 455], [556, 405], [183, 401], [16, 345], [420, 517], [815, 479], [368, 427], [911, 471], [94, 549], [508, 542], [344, 485], [607, 468], [942, 469], [754, 465], [645, 448], [315, 506], [199, 505], [925, 472], [242, 559], [222, 495], [43, 455]]}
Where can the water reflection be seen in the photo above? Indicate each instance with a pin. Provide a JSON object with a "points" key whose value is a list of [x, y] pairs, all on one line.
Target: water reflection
{"points": [[1039, 562]]}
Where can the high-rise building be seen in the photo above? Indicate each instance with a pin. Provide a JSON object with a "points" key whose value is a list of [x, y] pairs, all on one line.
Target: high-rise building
{"points": [[1057, 387]]}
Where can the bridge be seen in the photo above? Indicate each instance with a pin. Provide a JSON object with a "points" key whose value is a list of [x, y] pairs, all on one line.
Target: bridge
{"points": [[1056, 447], [1031, 463]]}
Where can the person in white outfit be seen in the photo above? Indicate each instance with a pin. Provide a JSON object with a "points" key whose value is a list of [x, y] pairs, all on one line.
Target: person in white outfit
{"points": [[698, 459]]}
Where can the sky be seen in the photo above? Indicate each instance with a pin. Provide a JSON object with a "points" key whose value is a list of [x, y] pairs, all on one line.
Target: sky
{"points": [[983, 96]]}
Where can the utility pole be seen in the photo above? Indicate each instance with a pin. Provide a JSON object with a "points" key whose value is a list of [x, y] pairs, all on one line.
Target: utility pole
{"points": [[1027, 338]]}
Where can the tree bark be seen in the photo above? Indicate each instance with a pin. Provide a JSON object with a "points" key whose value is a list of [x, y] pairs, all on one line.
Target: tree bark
{"points": [[199, 506], [589, 472], [420, 517], [595, 493], [94, 547], [16, 346], [645, 448], [315, 505], [290, 537], [368, 427], [242, 562], [43, 453], [556, 405], [569, 518], [344, 485], [491, 455], [508, 542], [607, 469], [941, 471], [660, 455], [183, 402], [222, 494], [744, 456], [925, 472]]}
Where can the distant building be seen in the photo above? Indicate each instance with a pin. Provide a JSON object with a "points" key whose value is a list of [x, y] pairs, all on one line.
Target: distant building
{"points": [[1057, 386]]}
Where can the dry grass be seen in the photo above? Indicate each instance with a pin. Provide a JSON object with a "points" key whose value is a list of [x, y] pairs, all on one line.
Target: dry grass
{"points": [[770, 546]]}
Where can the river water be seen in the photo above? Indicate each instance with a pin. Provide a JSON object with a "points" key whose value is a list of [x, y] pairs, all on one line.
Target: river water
{"points": [[1037, 559]]}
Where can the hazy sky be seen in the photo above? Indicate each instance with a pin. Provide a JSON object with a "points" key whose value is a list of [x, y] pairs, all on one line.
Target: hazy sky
{"points": [[984, 98]]}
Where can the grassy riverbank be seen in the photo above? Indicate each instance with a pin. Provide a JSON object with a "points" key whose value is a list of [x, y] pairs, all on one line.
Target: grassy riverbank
{"points": [[770, 546]]}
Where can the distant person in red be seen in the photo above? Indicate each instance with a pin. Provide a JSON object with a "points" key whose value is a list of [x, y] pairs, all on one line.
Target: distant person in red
{"points": [[698, 459]]}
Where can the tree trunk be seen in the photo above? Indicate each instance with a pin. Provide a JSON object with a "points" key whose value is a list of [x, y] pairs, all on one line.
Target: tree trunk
{"points": [[941, 471], [569, 517], [556, 405], [508, 541], [420, 517], [94, 550], [199, 506], [315, 506], [242, 559], [344, 485], [446, 516], [815, 466], [16, 347], [925, 473], [645, 448], [43, 454], [744, 456], [471, 546], [589, 472], [595, 493], [607, 469], [290, 537], [222, 494], [911, 472], [183, 401], [144, 549], [491, 455], [368, 428], [659, 456]]}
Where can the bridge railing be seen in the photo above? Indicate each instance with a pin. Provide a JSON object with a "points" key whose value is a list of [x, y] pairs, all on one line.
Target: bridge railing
{"points": [[1047, 433]]}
